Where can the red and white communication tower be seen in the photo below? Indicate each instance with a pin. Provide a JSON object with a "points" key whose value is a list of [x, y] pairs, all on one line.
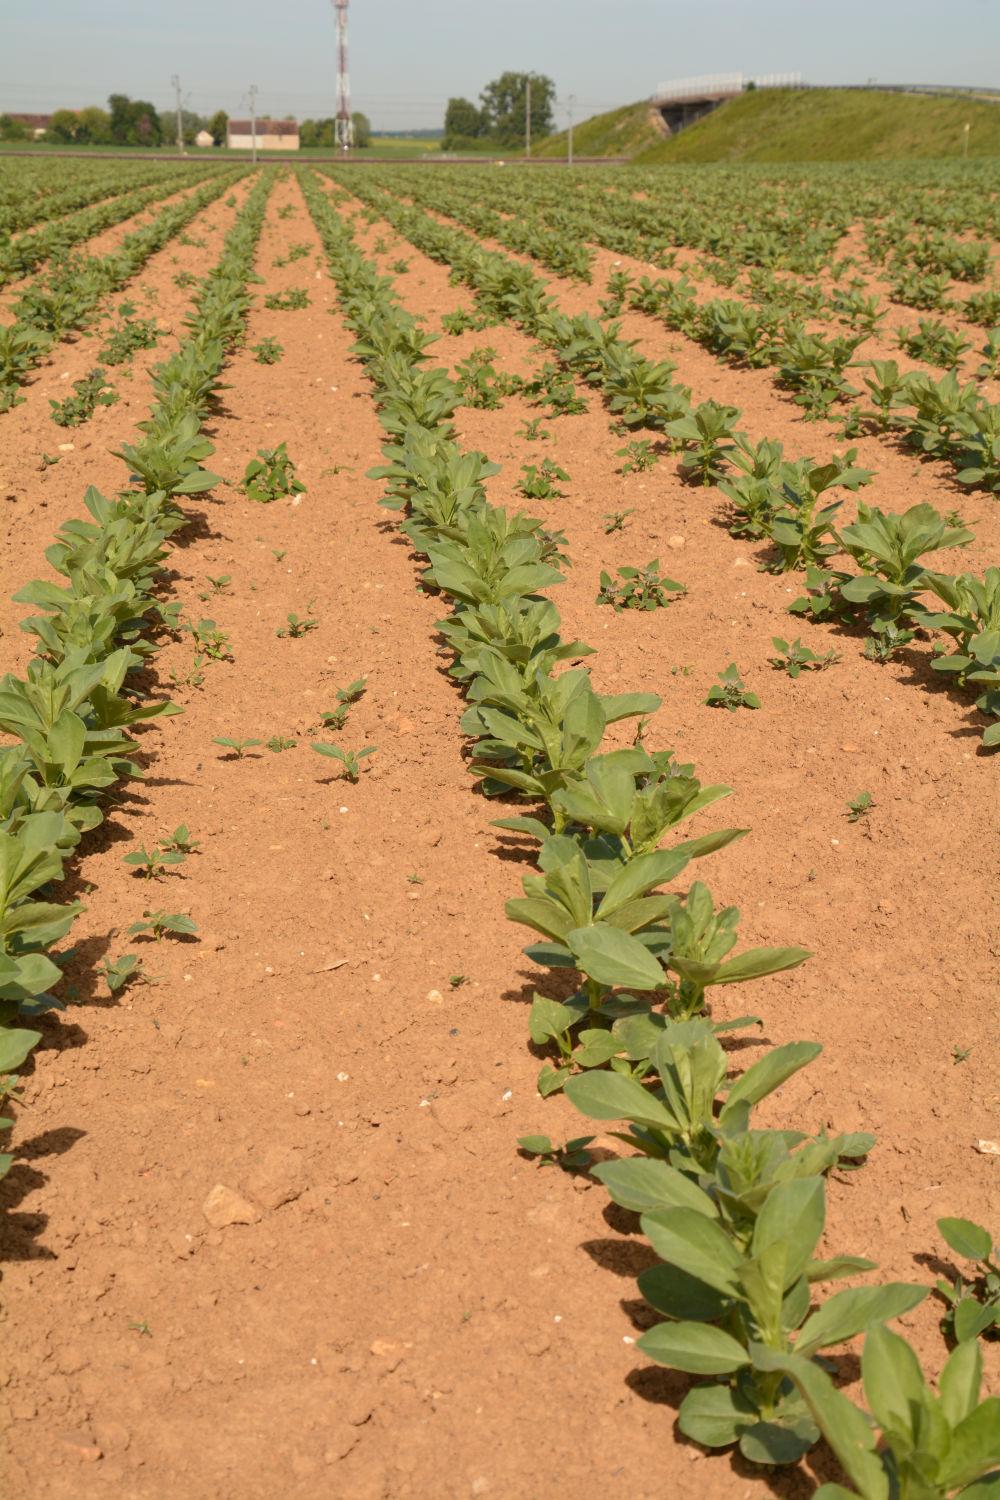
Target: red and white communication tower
{"points": [[344, 125]]}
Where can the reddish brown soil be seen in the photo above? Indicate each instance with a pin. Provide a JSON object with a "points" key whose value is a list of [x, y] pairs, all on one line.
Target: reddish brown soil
{"points": [[415, 1310]]}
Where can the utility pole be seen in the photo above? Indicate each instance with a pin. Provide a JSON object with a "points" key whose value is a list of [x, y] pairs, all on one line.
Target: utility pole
{"points": [[175, 80], [569, 136], [343, 124], [253, 121], [527, 116]]}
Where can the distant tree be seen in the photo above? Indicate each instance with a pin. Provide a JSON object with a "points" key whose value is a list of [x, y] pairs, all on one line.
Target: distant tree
{"points": [[12, 130], [93, 126], [190, 126], [504, 103], [134, 122], [362, 129], [217, 126], [317, 133], [462, 122], [64, 126]]}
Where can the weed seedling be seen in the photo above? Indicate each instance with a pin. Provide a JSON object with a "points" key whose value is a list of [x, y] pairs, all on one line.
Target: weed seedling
{"points": [[152, 864], [796, 658], [533, 431], [296, 297], [539, 481], [572, 1157], [120, 972], [239, 748], [960, 1054], [399, 267], [210, 640], [268, 351], [457, 980], [974, 1305], [91, 392], [130, 335], [349, 759], [181, 839], [415, 879], [157, 924], [297, 625], [271, 476], [731, 692], [218, 585], [142, 1328], [614, 520], [639, 588], [637, 457], [859, 807], [336, 718], [278, 743]]}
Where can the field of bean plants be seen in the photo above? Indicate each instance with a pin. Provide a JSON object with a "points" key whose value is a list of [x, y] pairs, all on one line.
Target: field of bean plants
{"points": [[498, 831]]}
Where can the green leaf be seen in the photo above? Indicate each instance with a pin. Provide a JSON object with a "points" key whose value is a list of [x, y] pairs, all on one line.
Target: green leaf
{"points": [[15, 1044], [972, 1318], [975, 1444], [644, 1184], [960, 1381], [641, 875], [696, 1348], [696, 1244], [757, 962], [777, 1442], [895, 1388], [615, 958], [612, 1096], [548, 1019], [793, 1216], [850, 1312], [769, 1073], [715, 1415], [677, 1295], [966, 1238]]}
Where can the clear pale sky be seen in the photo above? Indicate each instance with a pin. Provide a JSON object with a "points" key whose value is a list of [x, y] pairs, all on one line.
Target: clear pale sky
{"points": [[408, 56]]}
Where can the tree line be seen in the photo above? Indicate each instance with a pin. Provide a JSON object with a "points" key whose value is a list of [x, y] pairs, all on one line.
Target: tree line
{"points": [[136, 122], [501, 116]]}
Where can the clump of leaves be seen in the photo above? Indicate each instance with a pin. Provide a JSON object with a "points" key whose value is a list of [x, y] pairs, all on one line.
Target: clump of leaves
{"points": [[279, 742], [123, 341], [572, 1157], [298, 625], [973, 1305], [859, 807], [210, 640], [157, 924], [217, 585], [614, 520], [181, 839], [119, 972], [796, 658], [637, 456], [152, 863], [533, 431], [336, 718], [731, 691], [90, 393], [539, 481], [399, 267], [289, 301], [238, 748], [639, 588], [297, 251], [184, 279], [349, 759], [271, 476], [268, 351]]}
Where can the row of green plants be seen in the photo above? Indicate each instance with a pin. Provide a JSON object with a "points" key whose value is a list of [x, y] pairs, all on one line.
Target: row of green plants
{"points": [[68, 298], [57, 235], [96, 627], [788, 503], [735, 1211], [542, 213], [812, 365], [50, 187]]}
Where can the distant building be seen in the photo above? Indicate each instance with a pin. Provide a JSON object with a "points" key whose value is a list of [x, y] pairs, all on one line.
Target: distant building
{"points": [[36, 125], [272, 135], [203, 139]]}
